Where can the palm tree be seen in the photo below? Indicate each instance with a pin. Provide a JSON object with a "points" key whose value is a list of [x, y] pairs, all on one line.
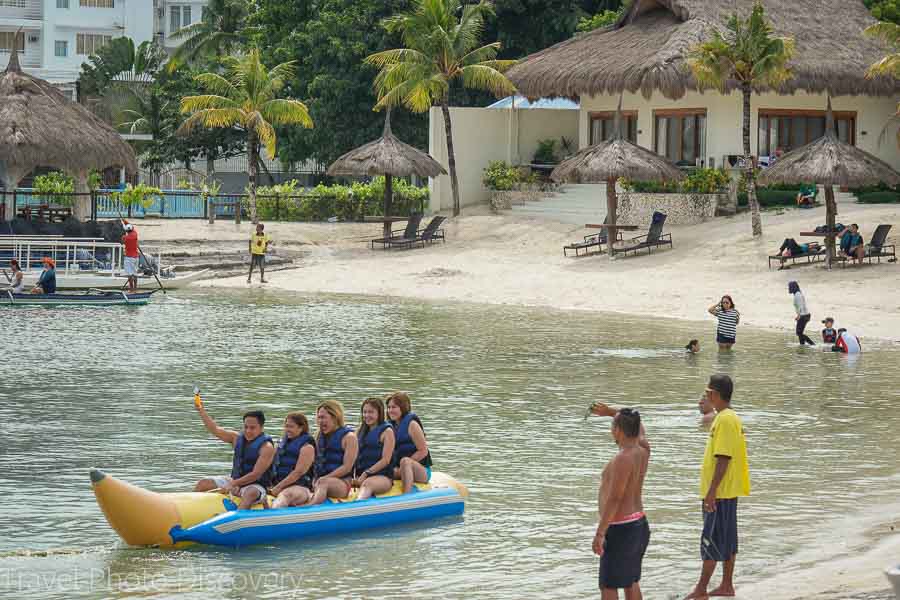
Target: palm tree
{"points": [[889, 33], [442, 40], [748, 56], [246, 98], [217, 34]]}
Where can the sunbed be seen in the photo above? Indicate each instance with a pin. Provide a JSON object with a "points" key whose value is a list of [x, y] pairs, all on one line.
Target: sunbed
{"points": [[412, 226], [877, 247], [427, 235], [590, 241], [653, 239], [809, 257]]}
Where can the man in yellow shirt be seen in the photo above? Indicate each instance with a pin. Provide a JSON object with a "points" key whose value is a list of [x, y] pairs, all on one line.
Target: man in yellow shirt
{"points": [[259, 243], [724, 477]]}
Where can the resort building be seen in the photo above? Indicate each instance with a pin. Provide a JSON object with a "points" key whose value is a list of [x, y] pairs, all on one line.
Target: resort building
{"points": [[59, 35], [642, 57]]}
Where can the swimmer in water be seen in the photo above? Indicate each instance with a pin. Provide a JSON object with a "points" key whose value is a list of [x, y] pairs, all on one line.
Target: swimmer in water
{"points": [[693, 346]]}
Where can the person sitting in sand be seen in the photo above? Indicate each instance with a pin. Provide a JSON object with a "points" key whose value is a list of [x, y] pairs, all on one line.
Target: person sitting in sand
{"points": [[16, 280], [707, 410], [852, 246], [254, 452], [295, 464], [46, 283], [623, 532], [693, 346], [374, 469], [829, 334], [412, 458], [336, 450]]}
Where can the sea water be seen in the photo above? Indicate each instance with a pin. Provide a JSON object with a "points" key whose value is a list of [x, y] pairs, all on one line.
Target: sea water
{"points": [[502, 393]]}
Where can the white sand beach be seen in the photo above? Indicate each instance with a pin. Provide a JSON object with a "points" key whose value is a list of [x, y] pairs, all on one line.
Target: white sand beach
{"points": [[514, 260]]}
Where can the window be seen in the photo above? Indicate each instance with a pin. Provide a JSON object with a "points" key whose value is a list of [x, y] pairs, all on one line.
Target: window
{"points": [[602, 126], [62, 3], [12, 3], [185, 16], [61, 48], [8, 38], [97, 3], [174, 19], [680, 135], [89, 43], [789, 129]]}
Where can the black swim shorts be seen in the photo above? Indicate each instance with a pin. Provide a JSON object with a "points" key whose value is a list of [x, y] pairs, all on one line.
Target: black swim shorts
{"points": [[720, 533], [724, 339], [623, 553]]}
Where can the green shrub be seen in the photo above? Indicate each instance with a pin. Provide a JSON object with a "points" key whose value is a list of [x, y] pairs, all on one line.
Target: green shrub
{"points": [[545, 153], [46, 187], [500, 176], [698, 181], [603, 19], [768, 197], [882, 197]]}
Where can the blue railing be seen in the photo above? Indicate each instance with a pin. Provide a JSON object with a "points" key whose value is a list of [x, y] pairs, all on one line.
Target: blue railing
{"points": [[173, 204]]}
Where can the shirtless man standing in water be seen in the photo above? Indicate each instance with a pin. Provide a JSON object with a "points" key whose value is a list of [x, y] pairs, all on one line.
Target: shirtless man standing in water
{"points": [[623, 532]]}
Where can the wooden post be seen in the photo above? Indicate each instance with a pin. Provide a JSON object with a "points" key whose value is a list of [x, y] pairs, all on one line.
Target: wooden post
{"points": [[830, 214], [388, 203], [611, 202], [237, 210], [210, 210]]}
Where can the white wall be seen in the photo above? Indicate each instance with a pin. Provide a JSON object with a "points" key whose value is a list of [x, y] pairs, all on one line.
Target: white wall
{"points": [[723, 118], [482, 135]]}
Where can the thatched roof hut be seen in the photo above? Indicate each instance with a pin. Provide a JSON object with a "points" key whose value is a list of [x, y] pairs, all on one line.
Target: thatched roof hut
{"points": [[40, 127], [645, 50]]}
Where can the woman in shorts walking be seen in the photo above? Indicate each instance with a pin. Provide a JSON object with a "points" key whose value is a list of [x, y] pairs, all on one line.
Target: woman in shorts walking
{"points": [[728, 318]]}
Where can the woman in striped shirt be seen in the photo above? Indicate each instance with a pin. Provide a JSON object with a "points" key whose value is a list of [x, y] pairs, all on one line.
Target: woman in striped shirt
{"points": [[729, 318]]}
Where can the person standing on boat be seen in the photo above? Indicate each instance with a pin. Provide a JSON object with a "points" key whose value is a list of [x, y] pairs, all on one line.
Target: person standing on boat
{"points": [[374, 469], [17, 279], [295, 463], [132, 257], [623, 532], [46, 283], [336, 451], [251, 466], [412, 460], [259, 245], [724, 477]]}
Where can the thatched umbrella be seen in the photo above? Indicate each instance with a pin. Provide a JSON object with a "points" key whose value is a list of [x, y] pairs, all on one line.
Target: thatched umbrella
{"points": [[610, 160], [829, 161], [40, 127], [390, 157]]}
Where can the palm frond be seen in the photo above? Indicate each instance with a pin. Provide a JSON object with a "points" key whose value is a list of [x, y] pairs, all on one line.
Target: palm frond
{"points": [[212, 118], [481, 77], [192, 104], [280, 111]]}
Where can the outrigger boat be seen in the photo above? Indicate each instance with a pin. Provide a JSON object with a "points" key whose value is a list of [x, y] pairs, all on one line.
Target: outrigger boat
{"points": [[145, 518], [87, 298]]}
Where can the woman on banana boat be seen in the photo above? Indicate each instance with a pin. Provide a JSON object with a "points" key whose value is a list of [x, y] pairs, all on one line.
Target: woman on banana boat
{"points": [[302, 470]]}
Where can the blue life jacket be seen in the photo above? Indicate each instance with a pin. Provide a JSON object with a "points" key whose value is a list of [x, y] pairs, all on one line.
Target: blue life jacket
{"points": [[245, 456], [405, 445], [371, 449], [287, 457], [330, 451]]}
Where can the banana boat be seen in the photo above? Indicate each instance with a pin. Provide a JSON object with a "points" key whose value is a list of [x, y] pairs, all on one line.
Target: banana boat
{"points": [[145, 518]]}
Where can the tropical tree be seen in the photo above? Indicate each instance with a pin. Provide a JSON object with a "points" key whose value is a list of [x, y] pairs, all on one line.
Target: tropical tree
{"points": [[889, 33], [218, 33], [246, 97], [442, 40], [747, 55], [120, 61]]}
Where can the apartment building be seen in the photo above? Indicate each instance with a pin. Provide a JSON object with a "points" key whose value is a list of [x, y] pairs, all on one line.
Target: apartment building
{"points": [[59, 35]]}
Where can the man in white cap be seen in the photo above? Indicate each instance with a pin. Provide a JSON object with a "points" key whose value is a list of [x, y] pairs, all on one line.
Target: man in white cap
{"points": [[130, 241]]}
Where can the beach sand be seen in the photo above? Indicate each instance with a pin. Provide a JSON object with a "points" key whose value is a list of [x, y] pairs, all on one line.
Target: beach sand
{"points": [[513, 260]]}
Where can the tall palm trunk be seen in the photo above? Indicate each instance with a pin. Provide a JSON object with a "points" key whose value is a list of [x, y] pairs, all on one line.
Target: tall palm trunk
{"points": [[756, 220], [253, 164], [451, 157]]}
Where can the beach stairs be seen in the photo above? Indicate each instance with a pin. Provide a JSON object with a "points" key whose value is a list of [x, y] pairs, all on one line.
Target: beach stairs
{"points": [[571, 204]]}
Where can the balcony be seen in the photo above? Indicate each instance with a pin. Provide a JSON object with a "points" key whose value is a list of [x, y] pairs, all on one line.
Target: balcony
{"points": [[12, 11]]}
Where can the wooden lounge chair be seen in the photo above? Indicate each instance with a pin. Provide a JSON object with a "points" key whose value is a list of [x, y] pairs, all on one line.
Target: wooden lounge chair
{"points": [[427, 235], [654, 238], [877, 247], [809, 257], [590, 241], [412, 226]]}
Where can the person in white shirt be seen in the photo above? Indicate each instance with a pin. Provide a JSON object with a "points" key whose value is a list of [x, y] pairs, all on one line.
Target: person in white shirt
{"points": [[803, 315]]}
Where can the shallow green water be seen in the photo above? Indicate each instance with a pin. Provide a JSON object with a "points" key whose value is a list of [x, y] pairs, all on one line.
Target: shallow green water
{"points": [[502, 392]]}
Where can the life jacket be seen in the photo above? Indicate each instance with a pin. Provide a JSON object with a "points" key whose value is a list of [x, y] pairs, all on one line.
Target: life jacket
{"points": [[287, 456], [829, 335], [245, 456], [405, 445], [371, 449], [330, 451]]}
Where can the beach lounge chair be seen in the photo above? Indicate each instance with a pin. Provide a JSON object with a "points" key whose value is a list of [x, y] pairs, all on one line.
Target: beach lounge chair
{"points": [[877, 248], [412, 226], [427, 235], [590, 241], [653, 239], [810, 257]]}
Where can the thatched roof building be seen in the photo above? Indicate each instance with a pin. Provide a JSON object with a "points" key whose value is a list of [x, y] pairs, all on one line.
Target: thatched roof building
{"points": [[40, 127], [645, 50]]}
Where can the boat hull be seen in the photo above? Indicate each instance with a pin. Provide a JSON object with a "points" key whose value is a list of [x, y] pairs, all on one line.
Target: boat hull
{"points": [[105, 299], [145, 518], [101, 281]]}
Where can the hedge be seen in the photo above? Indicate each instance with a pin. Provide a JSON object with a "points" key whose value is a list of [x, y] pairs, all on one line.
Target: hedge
{"points": [[885, 197], [770, 198]]}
